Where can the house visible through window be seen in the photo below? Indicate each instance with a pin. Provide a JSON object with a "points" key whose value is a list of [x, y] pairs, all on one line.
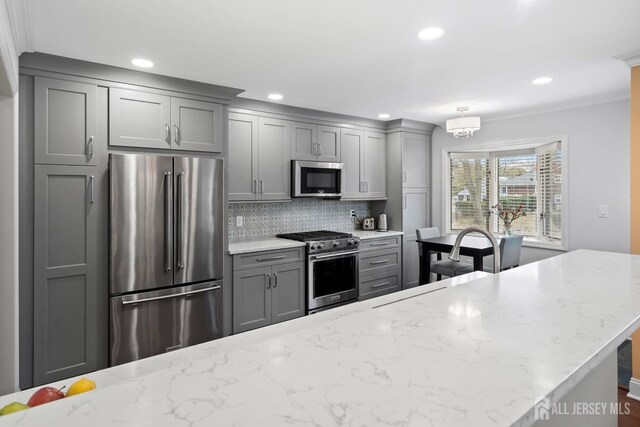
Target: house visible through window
{"points": [[531, 178]]}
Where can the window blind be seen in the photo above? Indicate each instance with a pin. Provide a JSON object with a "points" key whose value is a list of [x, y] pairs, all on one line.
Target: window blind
{"points": [[469, 189]]}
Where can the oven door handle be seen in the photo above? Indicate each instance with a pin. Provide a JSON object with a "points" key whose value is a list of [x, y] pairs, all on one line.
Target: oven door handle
{"points": [[341, 254]]}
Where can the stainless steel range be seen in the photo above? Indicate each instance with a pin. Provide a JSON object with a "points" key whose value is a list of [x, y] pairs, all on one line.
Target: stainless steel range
{"points": [[332, 268]]}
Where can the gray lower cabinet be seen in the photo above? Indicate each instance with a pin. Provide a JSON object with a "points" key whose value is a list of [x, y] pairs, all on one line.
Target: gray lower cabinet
{"points": [[149, 120], [415, 214], [66, 205], [65, 122], [380, 266], [268, 288], [364, 156]]}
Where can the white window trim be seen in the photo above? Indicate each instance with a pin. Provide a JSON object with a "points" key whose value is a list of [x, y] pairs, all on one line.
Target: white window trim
{"points": [[513, 145]]}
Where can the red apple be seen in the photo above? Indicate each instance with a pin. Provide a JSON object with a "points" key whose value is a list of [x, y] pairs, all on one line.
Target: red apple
{"points": [[45, 395]]}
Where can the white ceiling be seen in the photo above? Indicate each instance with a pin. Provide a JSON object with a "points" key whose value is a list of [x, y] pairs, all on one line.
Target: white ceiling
{"points": [[362, 57]]}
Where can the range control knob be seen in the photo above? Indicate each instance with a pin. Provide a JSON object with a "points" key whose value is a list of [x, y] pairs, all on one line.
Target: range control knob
{"points": [[352, 242], [314, 247], [336, 244], [321, 245]]}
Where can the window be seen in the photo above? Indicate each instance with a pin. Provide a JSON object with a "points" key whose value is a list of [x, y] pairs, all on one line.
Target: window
{"points": [[530, 177]]}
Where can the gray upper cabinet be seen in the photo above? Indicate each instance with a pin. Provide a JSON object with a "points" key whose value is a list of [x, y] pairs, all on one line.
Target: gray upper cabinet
{"points": [[197, 125], [139, 119], [66, 205], [351, 148], [315, 142], [416, 160], [304, 141], [274, 159], [328, 146], [375, 165], [243, 157], [288, 298], [364, 158], [65, 122], [148, 120]]}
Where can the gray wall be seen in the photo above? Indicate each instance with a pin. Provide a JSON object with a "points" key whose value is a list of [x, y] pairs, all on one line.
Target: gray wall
{"points": [[598, 170], [264, 220]]}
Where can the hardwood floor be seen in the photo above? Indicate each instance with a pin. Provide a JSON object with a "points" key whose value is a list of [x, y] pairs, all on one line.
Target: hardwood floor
{"points": [[633, 418]]}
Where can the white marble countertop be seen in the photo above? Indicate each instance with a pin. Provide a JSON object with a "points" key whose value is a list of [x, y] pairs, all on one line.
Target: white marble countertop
{"points": [[479, 354], [262, 245], [365, 235]]}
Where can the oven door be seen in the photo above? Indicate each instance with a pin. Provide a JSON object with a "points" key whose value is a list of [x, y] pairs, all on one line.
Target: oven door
{"points": [[317, 179], [332, 279]]}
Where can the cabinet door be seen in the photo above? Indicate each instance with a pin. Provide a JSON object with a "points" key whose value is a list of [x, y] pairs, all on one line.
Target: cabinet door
{"points": [[288, 292], [416, 160], [328, 146], [410, 263], [65, 122], [375, 165], [139, 119], [304, 138], [65, 275], [243, 157], [197, 125], [351, 145], [274, 160], [251, 299], [415, 212]]}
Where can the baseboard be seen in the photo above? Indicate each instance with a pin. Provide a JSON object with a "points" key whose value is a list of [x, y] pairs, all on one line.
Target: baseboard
{"points": [[634, 389]]}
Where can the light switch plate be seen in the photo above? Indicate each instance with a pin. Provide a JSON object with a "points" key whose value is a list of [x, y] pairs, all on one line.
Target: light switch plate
{"points": [[239, 221], [603, 211]]}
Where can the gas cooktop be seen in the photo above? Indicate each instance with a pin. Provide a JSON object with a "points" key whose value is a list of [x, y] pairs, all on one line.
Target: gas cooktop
{"points": [[324, 241], [308, 236]]}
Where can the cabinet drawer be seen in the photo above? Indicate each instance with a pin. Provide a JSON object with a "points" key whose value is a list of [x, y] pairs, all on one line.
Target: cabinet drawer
{"points": [[377, 244], [376, 261], [380, 284], [256, 259]]}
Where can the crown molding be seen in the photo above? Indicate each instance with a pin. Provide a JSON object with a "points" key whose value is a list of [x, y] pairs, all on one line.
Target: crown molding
{"points": [[8, 53], [632, 59]]}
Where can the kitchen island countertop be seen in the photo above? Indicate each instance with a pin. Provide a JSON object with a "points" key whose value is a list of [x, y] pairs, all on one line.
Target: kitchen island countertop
{"points": [[479, 354]]}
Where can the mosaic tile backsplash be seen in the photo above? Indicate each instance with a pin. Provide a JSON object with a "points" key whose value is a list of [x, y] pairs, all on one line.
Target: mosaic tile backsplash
{"points": [[265, 220]]}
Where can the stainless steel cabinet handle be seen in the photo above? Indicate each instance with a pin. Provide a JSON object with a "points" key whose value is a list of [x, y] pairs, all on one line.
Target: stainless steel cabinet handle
{"points": [[255, 186], [181, 294], [275, 280], [314, 149], [273, 258], [404, 201], [379, 285], [176, 134], [91, 146], [380, 244], [261, 186], [384, 261], [167, 221], [167, 134], [319, 149], [91, 178], [404, 177], [269, 282], [179, 196]]}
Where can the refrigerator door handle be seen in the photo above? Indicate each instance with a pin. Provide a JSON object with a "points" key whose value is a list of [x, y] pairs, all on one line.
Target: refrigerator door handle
{"points": [[167, 221], [179, 195], [181, 294]]}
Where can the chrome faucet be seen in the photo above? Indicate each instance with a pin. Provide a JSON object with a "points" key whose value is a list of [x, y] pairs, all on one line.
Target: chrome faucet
{"points": [[454, 255]]}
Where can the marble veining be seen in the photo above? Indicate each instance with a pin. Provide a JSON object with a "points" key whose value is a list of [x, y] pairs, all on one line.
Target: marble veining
{"points": [[478, 354]]}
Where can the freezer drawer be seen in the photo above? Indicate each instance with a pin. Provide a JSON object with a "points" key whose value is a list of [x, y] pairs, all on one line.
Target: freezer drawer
{"points": [[151, 323]]}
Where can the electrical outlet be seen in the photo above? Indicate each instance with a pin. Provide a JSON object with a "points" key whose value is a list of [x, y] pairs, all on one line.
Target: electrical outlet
{"points": [[352, 214], [603, 211], [239, 221]]}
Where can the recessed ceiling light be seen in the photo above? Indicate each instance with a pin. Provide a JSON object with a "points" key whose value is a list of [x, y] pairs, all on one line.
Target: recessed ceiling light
{"points": [[431, 33], [142, 63], [275, 97], [383, 116], [542, 80]]}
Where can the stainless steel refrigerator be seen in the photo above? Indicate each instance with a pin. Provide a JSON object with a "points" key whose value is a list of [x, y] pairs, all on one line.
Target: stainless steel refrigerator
{"points": [[166, 248]]}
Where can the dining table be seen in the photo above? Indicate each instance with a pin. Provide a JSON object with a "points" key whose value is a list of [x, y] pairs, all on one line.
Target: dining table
{"points": [[473, 246]]}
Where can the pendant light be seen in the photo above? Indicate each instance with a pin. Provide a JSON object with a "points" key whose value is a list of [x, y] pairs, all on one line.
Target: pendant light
{"points": [[463, 127]]}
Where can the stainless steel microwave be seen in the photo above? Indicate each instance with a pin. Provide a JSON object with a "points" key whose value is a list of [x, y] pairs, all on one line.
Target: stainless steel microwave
{"points": [[316, 179]]}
